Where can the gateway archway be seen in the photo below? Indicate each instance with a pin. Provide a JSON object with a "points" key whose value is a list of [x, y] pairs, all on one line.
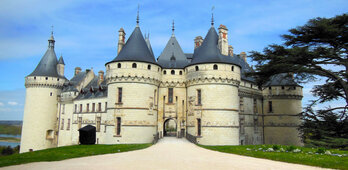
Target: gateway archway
{"points": [[169, 127]]}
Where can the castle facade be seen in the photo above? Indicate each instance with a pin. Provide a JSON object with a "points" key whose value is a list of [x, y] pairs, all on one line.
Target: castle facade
{"points": [[203, 95]]}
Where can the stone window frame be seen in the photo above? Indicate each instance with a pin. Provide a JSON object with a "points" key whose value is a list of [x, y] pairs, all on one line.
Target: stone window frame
{"points": [[199, 127], [119, 94], [170, 95], [199, 97], [97, 123], [270, 107], [118, 126], [68, 125]]}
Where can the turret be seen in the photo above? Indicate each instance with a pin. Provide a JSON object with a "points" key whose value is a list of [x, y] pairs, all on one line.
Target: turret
{"points": [[223, 40], [43, 86], [60, 66]]}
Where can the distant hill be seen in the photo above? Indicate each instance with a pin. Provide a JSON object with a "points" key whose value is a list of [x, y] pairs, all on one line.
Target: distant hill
{"points": [[11, 122]]}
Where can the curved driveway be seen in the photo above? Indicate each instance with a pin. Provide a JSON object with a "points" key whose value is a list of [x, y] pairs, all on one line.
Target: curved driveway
{"points": [[168, 153]]}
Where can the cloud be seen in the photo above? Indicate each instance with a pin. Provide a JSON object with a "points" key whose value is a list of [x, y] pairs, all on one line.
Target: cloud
{"points": [[12, 103], [1, 104]]}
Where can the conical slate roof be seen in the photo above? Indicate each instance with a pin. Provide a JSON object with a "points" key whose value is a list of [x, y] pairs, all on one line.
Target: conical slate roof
{"points": [[208, 52], [147, 40], [282, 79], [48, 63], [61, 61], [135, 49], [172, 56]]}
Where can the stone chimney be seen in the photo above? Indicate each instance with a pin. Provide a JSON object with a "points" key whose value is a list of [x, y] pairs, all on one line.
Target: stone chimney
{"points": [[223, 40], [230, 50], [100, 76], [244, 56], [121, 39], [77, 70], [198, 41]]}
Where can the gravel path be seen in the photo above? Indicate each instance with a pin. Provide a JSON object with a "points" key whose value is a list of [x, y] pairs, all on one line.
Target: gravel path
{"points": [[168, 153]]}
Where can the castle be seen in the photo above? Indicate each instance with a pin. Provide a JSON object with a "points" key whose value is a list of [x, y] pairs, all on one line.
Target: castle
{"points": [[205, 95]]}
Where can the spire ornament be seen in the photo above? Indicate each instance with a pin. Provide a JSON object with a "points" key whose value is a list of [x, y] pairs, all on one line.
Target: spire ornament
{"points": [[173, 28], [138, 16], [51, 40], [212, 16]]}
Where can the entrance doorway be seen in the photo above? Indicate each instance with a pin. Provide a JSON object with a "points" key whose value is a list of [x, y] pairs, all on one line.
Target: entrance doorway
{"points": [[169, 127]]}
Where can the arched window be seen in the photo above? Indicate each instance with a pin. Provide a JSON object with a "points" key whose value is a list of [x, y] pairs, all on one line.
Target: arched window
{"points": [[232, 68], [119, 65], [46, 78], [180, 72], [149, 67], [215, 67], [197, 68], [172, 72], [164, 72], [158, 69], [134, 65]]}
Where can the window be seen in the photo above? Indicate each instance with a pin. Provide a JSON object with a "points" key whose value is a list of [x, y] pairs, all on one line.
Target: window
{"points": [[255, 106], [232, 68], [270, 88], [99, 107], [119, 95], [87, 107], [63, 110], [98, 124], [119, 65], [79, 122], [46, 78], [199, 97], [104, 128], [154, 97], [108, 67], [251, 85], [75, 108], [34, 78], [172, 72], [68, 126], [149, 67], [106, 106], [170, 95], [118, 126], [57, 79], [80, 108], [282, 87], [51, 94], [134, 65], [241, 128], [199, 127], [270, 109], [93, 107], [62, 126], [241, 104], [215, 67], [197, 68], [49, 135], [180, 72], [164, 72]]}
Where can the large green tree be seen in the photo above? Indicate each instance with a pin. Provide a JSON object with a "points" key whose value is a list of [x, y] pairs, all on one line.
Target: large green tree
{"points": [[317, 49]]}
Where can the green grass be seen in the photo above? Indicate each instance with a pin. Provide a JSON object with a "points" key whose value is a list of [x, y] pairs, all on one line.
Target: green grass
{"points": [[10, 129], [303, 157], [67, 152]]}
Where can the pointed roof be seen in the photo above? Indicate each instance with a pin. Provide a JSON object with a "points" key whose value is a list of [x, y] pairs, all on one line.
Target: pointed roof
{"points": [[208, 52], [147, 40], [48, 64], [282, 79], [61, 61], [172, 56], [135, 49]]}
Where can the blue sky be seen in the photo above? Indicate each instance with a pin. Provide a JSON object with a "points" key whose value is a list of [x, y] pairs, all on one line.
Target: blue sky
{"points": [[86, 32]]}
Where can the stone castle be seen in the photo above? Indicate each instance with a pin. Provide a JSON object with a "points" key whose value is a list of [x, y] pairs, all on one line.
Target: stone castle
{"points": [[205, 96]]}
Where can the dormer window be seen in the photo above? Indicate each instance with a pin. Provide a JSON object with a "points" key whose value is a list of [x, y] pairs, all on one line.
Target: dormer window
{"points": [[134, 65]]}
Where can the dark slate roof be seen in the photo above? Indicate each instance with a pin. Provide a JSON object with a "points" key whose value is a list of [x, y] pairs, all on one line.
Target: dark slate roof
{"points": [[172, 56], [69, 87], [93, 90], [48, 64], [78, 78], [147, 40], [135, 49], [245, 68], [208, 52], [61, 61], [283, 79]]}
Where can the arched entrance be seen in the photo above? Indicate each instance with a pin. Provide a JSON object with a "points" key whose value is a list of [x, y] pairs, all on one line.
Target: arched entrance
{"points": [[169, 127]]}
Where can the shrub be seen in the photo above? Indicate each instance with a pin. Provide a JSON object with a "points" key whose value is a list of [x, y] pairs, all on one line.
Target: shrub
{"points": [[290, 148], [276, 147], [321, 150], [7, 151]]}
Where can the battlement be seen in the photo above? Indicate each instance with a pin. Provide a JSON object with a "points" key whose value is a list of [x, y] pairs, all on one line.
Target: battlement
{"points": [[41, 81]]}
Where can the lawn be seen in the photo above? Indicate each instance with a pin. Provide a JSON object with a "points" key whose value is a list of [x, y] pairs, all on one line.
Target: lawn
{"points": [[302, 155], [67, 152]]}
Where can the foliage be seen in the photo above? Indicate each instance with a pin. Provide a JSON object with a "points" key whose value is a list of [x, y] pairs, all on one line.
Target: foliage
{"points": [[307, 156], [276, 147], [318, 49], [10, 129], [8, 150], [67, 152]]}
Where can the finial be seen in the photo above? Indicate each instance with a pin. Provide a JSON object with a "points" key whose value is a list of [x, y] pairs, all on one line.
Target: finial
{"points": [[173, 28], [212, 16], [138, 16], [51, 29]]}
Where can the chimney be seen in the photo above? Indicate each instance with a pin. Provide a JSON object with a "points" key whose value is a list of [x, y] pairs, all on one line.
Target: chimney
{"points": [[230, 50], [243, 55], [198, 41], [100, 76], [121, 39], [77, 70], [223, 40]]}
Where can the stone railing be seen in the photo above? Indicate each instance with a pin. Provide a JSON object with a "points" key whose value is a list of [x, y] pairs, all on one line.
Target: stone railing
{"points": [[191, 138]]}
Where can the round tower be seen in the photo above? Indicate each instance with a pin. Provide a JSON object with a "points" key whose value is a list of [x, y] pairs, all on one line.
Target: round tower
{"points": [[212, 92], [282, 106], [132, 78], [43, 87]]}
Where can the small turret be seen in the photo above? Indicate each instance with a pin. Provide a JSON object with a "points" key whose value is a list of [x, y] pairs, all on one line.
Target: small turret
{"points": [[60, 66]]}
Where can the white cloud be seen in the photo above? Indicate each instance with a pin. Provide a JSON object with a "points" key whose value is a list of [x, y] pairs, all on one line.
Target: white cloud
{"points": [[1, 104], [12, 103]]}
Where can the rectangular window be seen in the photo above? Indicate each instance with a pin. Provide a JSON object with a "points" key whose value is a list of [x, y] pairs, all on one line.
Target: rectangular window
{"points": [[154, 97], [68, 126], [98, 124], [170, 95], [106, 106], [119, 95], [63, 110], [79, 122], [93, 107], [99, 107], [255, 106], [80, 108], [198, 127], [62, 126], [75, 110], [118, 126], [270, 109], [241, 124], [199, 97], [87, 107]]}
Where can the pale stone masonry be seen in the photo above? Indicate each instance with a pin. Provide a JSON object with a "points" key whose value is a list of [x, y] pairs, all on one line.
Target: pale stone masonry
{"points": [[206, 93]]}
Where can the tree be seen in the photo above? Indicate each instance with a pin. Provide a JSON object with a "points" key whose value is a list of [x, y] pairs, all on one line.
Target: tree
{"points": [[317, 49]]}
